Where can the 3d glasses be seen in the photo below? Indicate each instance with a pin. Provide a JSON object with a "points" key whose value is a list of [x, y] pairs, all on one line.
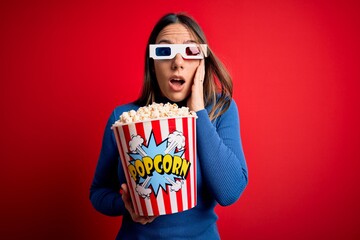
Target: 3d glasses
{"points": [[187, 51]]}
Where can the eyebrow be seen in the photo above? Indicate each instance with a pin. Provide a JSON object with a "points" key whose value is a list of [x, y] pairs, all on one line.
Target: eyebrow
{"points": [[190, 41], [165, 41]]}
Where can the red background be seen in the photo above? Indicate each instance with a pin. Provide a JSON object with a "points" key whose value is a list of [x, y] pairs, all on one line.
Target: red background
{"points": [[64, 65]]}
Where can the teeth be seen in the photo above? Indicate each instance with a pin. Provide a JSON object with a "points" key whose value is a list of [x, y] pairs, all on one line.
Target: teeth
{"points": [[178, 80]]}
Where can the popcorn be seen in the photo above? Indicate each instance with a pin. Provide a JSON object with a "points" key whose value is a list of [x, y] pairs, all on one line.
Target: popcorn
{"points": [[156, 146], [154, 111]]}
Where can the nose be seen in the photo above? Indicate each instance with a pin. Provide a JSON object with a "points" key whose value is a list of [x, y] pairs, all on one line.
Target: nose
{"points": [[177, 62]]}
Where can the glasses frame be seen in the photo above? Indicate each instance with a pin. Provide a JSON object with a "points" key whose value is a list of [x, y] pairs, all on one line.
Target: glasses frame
{"points": [[178, 48]]}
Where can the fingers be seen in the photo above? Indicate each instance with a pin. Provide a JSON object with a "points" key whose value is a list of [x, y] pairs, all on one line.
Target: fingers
{"points": [[196, 100], [200, 72], [128, 205], [124, 188], [126, 198], [144, 220]]}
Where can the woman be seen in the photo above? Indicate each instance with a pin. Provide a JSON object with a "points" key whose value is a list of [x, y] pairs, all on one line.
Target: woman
{"points": [[203, 85]]}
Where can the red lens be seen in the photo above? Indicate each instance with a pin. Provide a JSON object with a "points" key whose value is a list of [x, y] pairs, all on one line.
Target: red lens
{"points": [[192, 51]]}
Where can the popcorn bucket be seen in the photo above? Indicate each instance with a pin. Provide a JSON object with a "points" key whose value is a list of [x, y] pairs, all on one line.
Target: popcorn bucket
{"points": [[159, 160]]}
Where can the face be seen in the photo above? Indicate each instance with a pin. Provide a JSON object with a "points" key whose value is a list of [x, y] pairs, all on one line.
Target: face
{"points": [[175, 76]]}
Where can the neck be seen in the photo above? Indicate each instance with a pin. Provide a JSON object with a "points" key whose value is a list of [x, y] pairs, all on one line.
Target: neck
{"points": [[162, 99]]}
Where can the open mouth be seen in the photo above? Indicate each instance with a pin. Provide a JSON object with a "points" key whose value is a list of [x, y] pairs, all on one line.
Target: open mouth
{"points": [[177, 82]]}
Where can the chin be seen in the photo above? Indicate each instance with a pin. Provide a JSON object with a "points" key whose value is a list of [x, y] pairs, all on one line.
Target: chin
{"points": [[176, 98]]}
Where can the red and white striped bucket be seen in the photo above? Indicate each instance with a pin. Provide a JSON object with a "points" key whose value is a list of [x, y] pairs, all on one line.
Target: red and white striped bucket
{"points": [[159, 161]]}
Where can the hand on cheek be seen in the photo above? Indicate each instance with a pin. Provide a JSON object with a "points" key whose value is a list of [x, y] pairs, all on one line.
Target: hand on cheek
{"points": [[196, 99]]}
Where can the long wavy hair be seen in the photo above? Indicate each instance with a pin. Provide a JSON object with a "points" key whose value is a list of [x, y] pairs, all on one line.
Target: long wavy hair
{"points": [[218, 86]]}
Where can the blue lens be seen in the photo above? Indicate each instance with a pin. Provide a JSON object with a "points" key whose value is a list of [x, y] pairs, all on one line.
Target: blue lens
{"points": [[163, 51]]}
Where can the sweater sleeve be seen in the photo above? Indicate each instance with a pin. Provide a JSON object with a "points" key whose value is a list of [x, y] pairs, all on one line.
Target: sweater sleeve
{"points": [[221, 155], [105, 188]]}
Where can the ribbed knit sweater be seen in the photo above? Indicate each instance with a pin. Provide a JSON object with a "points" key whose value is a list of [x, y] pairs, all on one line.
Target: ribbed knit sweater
{"points": [[222, 176]]}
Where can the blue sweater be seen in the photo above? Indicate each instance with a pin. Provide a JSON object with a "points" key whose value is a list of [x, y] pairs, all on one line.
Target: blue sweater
{"points": [[221, 178]]}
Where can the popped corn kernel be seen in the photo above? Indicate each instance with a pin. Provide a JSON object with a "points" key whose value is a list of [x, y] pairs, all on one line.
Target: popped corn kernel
{"points": [[154, 111]]}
